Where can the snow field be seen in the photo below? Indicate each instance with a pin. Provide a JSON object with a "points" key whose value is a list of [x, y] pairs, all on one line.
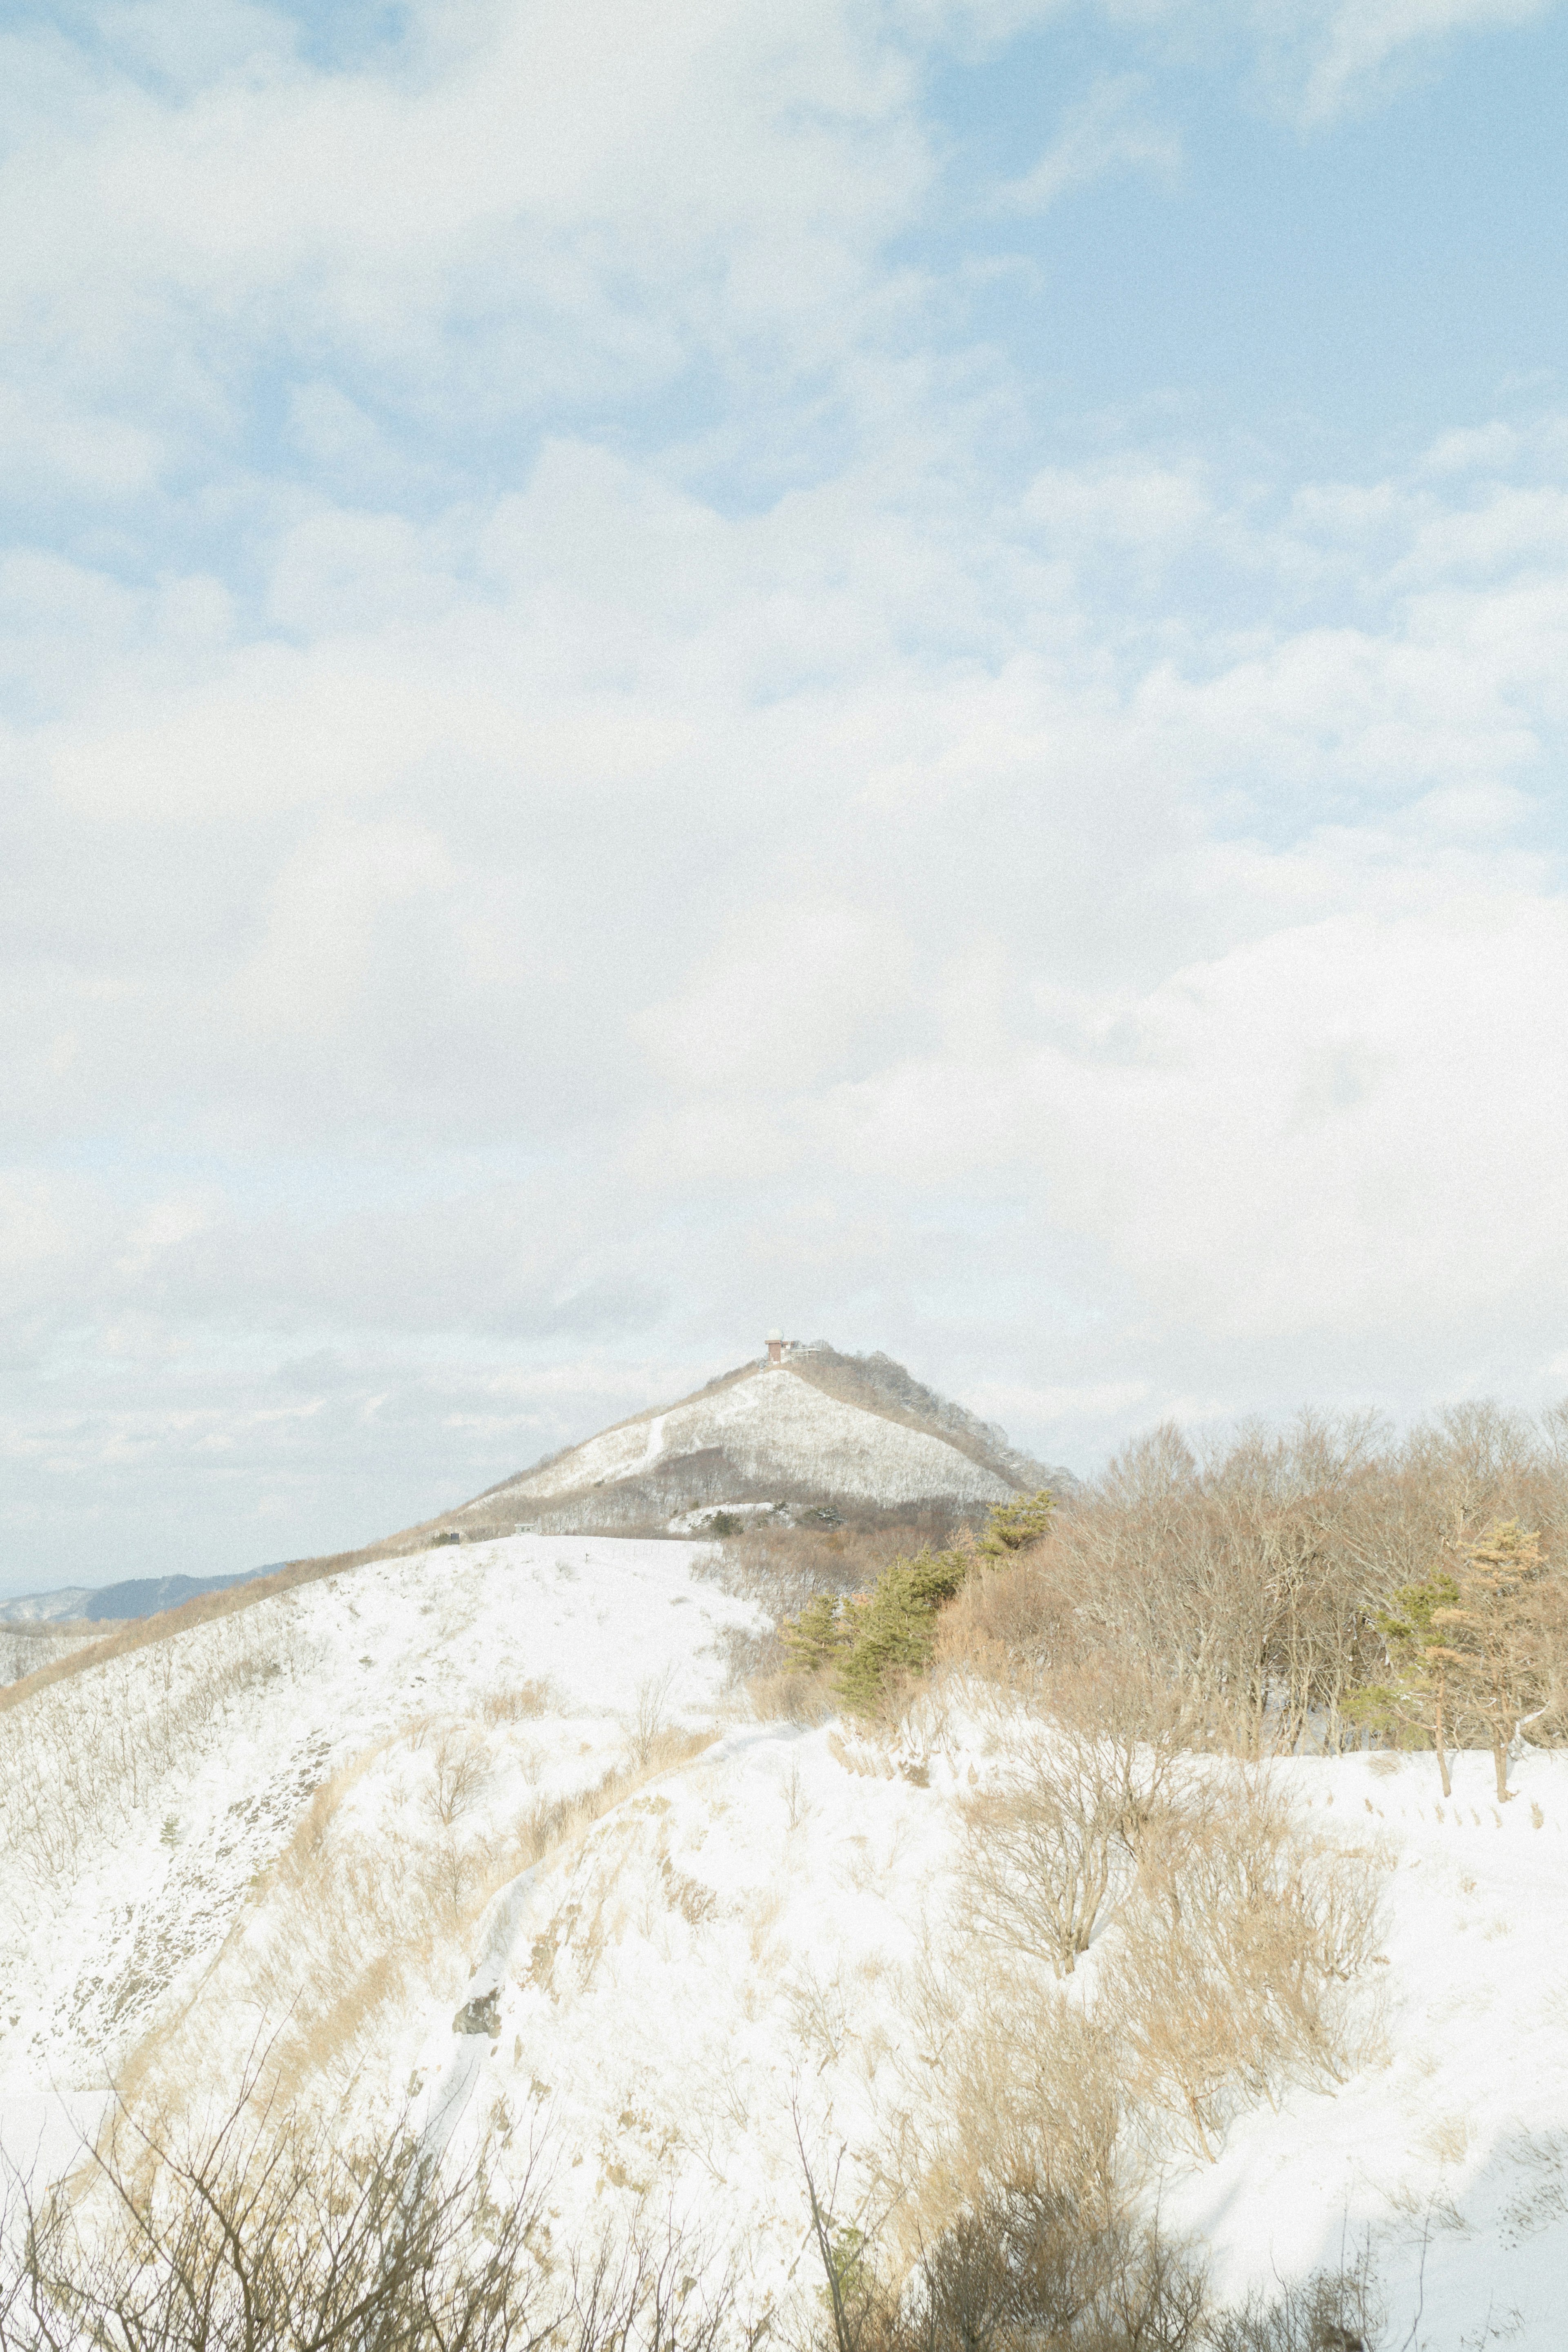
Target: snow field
{"points": [[146, 1802], [469, 1776], [759, 1938]]}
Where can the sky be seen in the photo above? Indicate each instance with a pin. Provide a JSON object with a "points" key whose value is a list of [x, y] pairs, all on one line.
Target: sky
{"points": [[894, 668]]}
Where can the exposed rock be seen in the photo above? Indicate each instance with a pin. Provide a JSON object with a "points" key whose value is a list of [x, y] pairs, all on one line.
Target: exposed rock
{"points": [[480, 2015]]}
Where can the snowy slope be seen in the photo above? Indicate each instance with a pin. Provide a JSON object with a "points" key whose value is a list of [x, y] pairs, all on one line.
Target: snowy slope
{"points": [[769, 1433], [776, 1913], [761, 1930], [141, 1802]]}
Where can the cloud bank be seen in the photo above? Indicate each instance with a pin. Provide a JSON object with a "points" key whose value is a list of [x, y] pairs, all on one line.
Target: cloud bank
{"points": [[582, 777]]}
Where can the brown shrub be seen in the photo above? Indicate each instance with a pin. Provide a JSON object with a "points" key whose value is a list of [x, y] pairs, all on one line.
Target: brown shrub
{"points": [[1250, 1578], [1233, 1974]]}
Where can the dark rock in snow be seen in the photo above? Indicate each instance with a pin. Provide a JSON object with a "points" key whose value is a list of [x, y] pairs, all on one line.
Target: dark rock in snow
{"points": [[480, 2015]]}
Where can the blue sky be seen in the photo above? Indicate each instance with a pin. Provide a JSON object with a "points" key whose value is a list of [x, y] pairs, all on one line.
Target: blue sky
{"points": [[896, 669]]}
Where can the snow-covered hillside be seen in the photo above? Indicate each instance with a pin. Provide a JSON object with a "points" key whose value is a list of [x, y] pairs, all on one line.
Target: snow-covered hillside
{"points": [[769, 1433], [490, 1829], [143, 1802]]}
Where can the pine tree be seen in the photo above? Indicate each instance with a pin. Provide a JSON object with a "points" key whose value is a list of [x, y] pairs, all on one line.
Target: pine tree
{"points": [[815, 1638], [1012, 1526], [1495, 1635], [892, 1631], [890, 1634], [1416, 1696], [1473, 1649]]}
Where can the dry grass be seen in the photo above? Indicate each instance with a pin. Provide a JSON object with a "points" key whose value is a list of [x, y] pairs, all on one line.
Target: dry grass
{"points": [[1238, 1967], [1010, 2080], [518, 1703], [354, 1921], [785, 1696], [1233, 1960]]}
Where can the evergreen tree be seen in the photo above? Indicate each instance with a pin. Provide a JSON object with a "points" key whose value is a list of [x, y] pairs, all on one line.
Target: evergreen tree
{"points": [[1496, 1632], [893, 1629], [888, 1634], [1473, 1649], [816, 1637], [1013, 1526], [1417, 1696]]}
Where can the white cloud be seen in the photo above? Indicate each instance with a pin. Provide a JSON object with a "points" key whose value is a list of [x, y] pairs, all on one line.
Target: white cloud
{"points": [[537, 911], [1117, 507], [1108, 131], [1352, 44], [599, 203]]}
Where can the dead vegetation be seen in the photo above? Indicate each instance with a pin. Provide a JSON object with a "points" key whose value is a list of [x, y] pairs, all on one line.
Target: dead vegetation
{"points": [[1028, 2265], [1252, 1583], [389, 1873], [781, 1569], [1242, 1959], [269, 2236], [81, 1763], [25, 1647]]}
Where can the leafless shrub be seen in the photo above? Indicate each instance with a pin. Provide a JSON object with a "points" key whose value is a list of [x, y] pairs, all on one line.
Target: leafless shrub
{"points": [[797, 1805], [267, 2237], [650, 1718], [1009, 1623], [1021, 2267], [1026, 2265], [1039, 1864], [1332, 2311], [1084, 1791], [1233, 1972]]}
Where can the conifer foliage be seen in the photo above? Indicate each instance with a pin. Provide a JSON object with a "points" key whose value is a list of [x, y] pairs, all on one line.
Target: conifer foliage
{"points": [[1415, 1696], [1497, 1635], [886, 1637], [1472, 1649]]}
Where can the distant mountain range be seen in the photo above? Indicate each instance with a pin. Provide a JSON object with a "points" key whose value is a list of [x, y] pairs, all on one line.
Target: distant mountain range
{"points": [[803, 1428], [136, 1596]]}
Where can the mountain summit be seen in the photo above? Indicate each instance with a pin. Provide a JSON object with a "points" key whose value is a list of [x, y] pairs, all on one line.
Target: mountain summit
{"points": [[800, 1427]]}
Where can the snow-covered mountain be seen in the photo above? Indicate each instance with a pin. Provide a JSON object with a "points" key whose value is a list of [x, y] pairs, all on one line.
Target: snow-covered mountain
{"points": [[803, 1426], [61, 1607], [491, 1827], [130, 1597]]}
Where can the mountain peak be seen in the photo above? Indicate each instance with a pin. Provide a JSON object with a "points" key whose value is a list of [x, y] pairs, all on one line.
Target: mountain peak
{"points": [[800, 1427]]}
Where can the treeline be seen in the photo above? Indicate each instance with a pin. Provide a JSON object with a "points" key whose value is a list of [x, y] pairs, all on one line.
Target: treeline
{"points": [[1296, 1590]]}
